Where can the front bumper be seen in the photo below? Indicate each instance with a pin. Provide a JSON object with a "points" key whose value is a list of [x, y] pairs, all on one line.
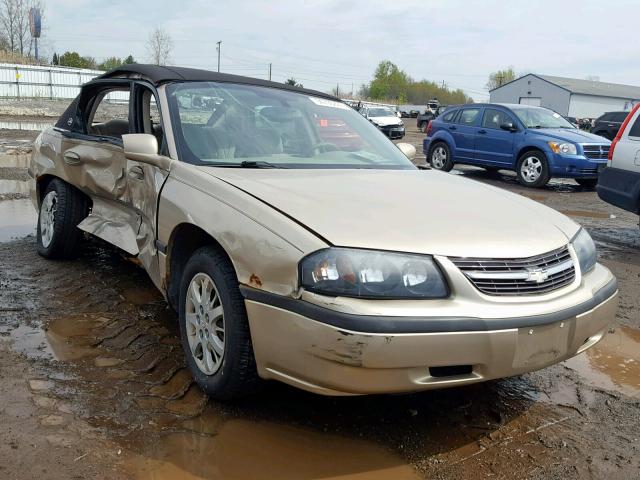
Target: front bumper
{"points": [[576, 166], [392, 131], [308, 348]]}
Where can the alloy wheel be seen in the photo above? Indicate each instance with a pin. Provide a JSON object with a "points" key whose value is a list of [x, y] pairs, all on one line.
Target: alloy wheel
{"points": [[438, 158], [48, 218], [205, 323], [531, 169]]}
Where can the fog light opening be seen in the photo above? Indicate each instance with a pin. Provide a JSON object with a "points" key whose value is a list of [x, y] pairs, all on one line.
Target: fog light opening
{"points": [[450, 371]]}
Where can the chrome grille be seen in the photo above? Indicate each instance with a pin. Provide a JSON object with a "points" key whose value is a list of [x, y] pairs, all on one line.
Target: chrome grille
{"points": [[519, 276], [596, 152]]}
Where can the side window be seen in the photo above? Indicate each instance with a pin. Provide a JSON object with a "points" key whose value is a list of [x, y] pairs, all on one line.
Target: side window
{"points": [[494, 118], [620, 116], [635, 128], [448, 117], [109, 116], [606, 117], [148, 114], [468, 116]]}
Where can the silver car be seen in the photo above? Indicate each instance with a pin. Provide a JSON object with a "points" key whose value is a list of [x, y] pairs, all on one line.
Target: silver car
{"points": [[299, 244]]}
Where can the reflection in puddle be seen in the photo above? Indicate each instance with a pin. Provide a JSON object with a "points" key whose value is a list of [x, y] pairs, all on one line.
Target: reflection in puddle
{"points": [[24, 125], [14, 186], [17, 218], [614, 363], [15, 161], [262, 450]]}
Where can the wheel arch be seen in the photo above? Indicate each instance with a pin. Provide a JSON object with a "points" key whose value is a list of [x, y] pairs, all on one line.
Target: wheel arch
{"points": [[527, 149], [43, 181], [184, 240]]}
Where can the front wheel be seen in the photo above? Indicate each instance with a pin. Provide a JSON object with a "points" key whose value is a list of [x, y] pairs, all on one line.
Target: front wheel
{"points": [[532, 169], [214, 328], [587, 182], [440, 157]]}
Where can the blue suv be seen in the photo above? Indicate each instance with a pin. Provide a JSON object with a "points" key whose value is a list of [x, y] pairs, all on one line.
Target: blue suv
{"points": [[535, 142]]}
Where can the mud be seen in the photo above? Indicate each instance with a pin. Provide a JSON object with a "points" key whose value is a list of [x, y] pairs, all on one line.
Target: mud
{"points": [[94, 381]]}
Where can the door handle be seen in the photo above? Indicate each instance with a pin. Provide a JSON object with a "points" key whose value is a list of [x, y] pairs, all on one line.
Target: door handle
{"points": [[72, 158], [453, 127], [136, 173], [482, 131]]}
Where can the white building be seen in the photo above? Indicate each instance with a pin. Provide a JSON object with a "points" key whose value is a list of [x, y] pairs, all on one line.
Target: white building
{"points": [[570, 97]]}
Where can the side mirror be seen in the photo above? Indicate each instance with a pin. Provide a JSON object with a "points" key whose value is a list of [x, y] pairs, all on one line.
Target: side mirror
{"points": [[143, 148], [509, 126], [408, 150]]}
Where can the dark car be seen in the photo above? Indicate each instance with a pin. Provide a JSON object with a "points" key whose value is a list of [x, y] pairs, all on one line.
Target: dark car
{"points": [[535, 142], [607, 125]]}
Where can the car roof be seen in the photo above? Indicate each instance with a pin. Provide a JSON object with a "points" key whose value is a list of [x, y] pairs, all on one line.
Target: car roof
{"points": [[160, 74]]}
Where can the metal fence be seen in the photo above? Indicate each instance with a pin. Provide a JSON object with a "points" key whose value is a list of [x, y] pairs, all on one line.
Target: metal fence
{"points": [[31, 81]]}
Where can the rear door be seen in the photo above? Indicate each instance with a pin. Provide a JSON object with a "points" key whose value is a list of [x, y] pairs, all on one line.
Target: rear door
{"points": [[494, 146], [464, 133]]}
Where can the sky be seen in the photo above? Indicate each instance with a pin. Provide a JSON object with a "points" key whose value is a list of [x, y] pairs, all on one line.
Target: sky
{"points": [[323, 43]]}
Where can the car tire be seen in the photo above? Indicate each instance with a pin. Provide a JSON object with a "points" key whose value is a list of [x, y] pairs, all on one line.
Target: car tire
{"points": [[215, 333], [587, 182], [532, 169], [62, 208], [420, 126], [440, 157]]}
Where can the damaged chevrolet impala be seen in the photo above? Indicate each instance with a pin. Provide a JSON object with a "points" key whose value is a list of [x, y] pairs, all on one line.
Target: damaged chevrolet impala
{"points": [[297, 243]]}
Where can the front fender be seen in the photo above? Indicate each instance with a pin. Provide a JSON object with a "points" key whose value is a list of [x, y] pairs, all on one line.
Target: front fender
{"points": [[263, 245]]}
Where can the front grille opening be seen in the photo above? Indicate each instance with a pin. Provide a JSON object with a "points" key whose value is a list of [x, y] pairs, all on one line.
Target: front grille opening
{"points": [[510, 276], [450, 370]]}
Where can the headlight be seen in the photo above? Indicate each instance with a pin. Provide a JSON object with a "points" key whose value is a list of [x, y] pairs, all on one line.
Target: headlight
{"points": [[566, 148], [372, 274], [585, 250]]}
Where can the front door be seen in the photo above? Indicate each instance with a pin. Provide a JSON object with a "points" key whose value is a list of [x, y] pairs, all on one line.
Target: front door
{"points": [[494, 146]]}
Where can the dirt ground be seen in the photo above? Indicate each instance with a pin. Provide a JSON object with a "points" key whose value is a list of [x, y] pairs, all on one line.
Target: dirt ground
{"points": [[93, 381]]}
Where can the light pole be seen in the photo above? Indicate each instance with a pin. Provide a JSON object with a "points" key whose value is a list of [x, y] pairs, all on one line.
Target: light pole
{"points": [[219, 43]]}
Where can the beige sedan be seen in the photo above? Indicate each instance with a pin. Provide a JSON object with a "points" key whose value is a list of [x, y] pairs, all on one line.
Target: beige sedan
{"points": [[299, 244]]}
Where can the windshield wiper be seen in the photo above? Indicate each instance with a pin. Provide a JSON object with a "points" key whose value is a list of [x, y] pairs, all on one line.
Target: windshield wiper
{"points": [[258, 164]]}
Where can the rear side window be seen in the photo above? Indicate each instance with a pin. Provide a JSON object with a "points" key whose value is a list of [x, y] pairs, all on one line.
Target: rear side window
{"points": [[448, 117], [635, 128], [605, 118], [494, 118], [468, 116]]}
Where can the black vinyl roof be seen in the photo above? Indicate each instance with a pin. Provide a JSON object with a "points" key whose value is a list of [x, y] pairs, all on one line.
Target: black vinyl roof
{"points": [[161, 74]]}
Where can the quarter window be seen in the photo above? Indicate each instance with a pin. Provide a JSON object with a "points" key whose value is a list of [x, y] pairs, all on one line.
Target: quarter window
{"points": [[448, 117], [468, 116]]}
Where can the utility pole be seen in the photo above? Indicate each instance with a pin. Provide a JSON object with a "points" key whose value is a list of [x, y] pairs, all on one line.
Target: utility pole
{"points": [[338, 90], [219, 43], [269, 72]]}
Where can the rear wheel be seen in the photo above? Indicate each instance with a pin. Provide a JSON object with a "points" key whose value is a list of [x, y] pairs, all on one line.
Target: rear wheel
{"points": [[62, 208], [532, 169], [587, 182], [440, 157], [214, 328]]}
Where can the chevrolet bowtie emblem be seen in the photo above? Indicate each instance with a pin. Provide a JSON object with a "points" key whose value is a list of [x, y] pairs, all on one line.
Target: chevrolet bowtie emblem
{"points": [[537, 275]]}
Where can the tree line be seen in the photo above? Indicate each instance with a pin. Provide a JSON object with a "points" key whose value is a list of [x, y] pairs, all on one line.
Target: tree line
{"points": [[393, 85]]}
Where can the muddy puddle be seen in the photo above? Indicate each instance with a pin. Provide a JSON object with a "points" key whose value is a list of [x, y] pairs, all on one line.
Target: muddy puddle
{"points": [[17, 219], [613, 364], [241, 449]]}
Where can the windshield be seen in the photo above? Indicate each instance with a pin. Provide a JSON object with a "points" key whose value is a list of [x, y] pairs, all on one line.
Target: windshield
{"points": [[535, 117], [237, 125], [381, 112]]}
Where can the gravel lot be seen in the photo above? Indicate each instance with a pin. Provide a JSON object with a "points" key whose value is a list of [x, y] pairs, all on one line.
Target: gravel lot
{"points": [[93, 383]]}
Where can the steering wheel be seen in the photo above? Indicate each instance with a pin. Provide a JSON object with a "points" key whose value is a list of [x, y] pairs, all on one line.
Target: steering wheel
{"points": [[323, 147]]}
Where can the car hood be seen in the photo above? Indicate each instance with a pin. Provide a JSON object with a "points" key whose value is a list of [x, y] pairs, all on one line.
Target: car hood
{"points": [[567, 135], [420, 211], [384, 121]]}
